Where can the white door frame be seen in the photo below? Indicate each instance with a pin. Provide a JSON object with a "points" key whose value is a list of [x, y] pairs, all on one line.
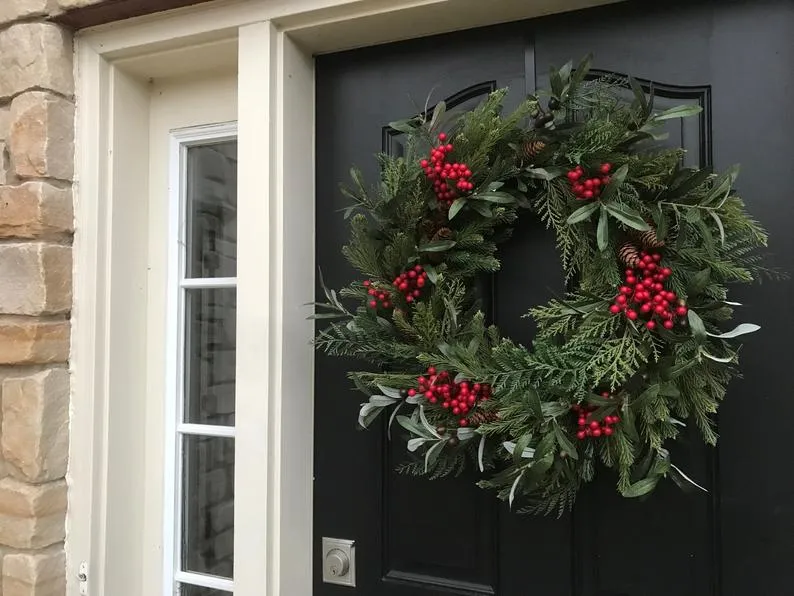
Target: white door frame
{"points": [[275, 42]]}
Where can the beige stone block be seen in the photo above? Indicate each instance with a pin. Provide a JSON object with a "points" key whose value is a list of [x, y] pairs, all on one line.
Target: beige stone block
{"points": [[35, 55], [35, 574], [32, 515], [69, 4], [35, 427], [41, 136], [25, 340], [6, 177], [37, 278], [35, 210], [11, 10], [5, 121]]}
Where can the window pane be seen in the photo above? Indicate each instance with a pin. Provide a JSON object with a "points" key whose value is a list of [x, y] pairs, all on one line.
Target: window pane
{"points": [[208, 505], [210, 348], [212, 210], [185, 590]]}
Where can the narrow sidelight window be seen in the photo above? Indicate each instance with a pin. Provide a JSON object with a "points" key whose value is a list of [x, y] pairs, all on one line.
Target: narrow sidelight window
{"points": [[199, 533]]}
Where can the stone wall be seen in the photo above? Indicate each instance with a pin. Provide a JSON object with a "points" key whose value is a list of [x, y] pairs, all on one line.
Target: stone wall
{"points": [[36, 225]]}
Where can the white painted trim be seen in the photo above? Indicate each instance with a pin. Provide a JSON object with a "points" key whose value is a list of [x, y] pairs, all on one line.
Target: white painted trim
{"points": [[254, 398], [205, 581], [86, 477], [206, 430], [277, 39], [207, 283]]}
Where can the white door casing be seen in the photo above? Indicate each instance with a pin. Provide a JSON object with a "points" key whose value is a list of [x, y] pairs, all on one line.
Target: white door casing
{"points": [[115, 521]]}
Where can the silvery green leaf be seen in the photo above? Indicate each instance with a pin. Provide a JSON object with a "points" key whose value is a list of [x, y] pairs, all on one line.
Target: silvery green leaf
{"points": [[729, 303], [416, 443], [465, 433], [510, 446], [697, 326], [426, 424], [457, 205], [389, 391], [742, 329], [687, 478], [432, 454], [480, 454], [515, 486], [391, 419], [582, 213], [721, 228], [716, 358], [368, 413], [381, 400], [683, 111], [414, 399]]}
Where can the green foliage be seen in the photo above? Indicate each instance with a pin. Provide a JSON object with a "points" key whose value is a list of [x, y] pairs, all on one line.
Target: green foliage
{"points": [[524, 438]]}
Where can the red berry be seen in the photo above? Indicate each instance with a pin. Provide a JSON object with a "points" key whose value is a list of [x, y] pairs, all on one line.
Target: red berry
{"points": [[614, 309], [668, 324], [596, 182], [621, 299], [605, 394], [608, 431], [596, 432], [666, 271], [588, 183], [581, 435], [588, 194], [657, 257], [595, 424], [387, 304], [464, 422], [605, 167], [650, 325], [442, 136], [646, 308], [631, 280], [632, 315], [373, 304]]}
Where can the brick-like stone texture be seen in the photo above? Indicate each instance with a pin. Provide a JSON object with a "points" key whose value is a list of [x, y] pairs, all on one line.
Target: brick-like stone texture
{"points": [[11, 10], [32, 515], [35, 428], [41, 138], [35, 210], [35, 56], [69, 4], [24, 340], [37, 278], [40, 573], [36, 226]]}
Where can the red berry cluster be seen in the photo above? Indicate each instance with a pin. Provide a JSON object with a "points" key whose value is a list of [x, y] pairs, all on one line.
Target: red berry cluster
{"points": [[411, 282], [643, 294], [444, 175], [459, 398], [380, 298], [593, 428], [585, 188]]}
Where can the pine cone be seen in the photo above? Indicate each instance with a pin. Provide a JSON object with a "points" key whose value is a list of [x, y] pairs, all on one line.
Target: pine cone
{"points": [[648, 239], [628, 254], [533, 148], [479, 418], [442, 234]]}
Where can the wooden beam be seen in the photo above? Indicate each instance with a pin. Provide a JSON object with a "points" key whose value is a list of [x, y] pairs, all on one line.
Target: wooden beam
{"points": [[116, 10]]}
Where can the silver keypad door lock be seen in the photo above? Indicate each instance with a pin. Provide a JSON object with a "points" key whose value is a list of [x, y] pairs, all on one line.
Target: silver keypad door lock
{"points": [[339, 561]]}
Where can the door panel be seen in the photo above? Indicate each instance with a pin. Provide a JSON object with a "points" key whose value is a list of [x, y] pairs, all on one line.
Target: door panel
{"points": [[420, 537]]}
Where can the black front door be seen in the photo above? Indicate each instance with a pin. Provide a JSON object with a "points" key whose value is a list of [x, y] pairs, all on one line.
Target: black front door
{"points": [[420, 537]]}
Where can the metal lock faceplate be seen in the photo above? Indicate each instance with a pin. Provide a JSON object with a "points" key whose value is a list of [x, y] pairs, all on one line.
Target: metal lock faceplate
{"points": [[339, 561]]}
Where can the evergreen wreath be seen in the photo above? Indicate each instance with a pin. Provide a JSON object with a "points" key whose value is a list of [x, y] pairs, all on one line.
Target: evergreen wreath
{"points": [[620, 365]]}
